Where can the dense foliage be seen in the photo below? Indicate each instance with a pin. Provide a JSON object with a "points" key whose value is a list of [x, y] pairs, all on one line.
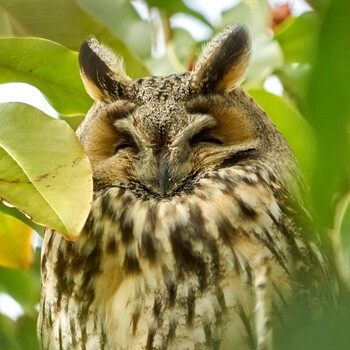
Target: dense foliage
{"points": [[44, 173]]}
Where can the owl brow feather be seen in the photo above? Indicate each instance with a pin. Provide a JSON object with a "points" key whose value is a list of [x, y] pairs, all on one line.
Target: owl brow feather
{"points": [[198, 123], [121, 112]]}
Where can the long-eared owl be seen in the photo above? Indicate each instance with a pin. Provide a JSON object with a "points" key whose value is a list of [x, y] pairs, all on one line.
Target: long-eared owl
{"points": [[197, 236]]}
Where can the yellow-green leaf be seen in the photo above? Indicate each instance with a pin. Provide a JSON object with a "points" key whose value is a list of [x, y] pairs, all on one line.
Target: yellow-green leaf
{"points": [[43, 169], [16, 249], [50, 67]]}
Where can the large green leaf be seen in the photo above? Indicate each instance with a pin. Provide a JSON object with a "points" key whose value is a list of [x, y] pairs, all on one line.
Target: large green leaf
{"points": [[43, 169], [50, 67], [298, 37], [329, 109], [292, 125], [64, 22]]}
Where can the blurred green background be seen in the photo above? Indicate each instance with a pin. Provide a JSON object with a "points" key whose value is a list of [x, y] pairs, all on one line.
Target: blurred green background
{"points": [[299, 73]]}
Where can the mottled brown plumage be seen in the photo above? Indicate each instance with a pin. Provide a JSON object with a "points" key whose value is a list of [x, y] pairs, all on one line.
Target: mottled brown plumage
{"points": [[197, 237]]}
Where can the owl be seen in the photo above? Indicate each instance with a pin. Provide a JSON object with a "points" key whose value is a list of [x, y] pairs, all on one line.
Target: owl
{"points": [[198, 237]]}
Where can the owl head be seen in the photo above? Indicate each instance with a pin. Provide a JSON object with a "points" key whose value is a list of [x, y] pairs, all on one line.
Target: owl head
{"points": [[161, 134]]}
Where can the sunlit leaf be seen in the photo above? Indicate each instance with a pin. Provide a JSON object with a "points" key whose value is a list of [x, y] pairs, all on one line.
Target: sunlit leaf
{"points": [[292, 125], [50, 67], [43, 169], [329, 109], [16, 250], [63, 22]]}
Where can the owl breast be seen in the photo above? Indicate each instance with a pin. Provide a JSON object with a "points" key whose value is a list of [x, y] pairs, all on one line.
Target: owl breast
{"points": [[192, 259], [177, 273]]}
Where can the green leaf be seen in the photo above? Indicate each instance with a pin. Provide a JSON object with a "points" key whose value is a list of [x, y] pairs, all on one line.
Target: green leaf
{"points": [[177, 6], [292, 125], [50, 67], [180, 48], [8, 339], [342, 239], [25, 332], [16, 250], [161, 65], [320, 6], [63, 22], [43, 169], [266, 58], [327, 330], [329, 109], [12, 211], [298, 37], [126, 24], [73, 122], [183, 46], [12, 282], [253, 13], [294, 78]]}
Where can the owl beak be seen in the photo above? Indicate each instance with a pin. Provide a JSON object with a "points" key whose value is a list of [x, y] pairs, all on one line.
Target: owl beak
{"points": [[164, 178]]}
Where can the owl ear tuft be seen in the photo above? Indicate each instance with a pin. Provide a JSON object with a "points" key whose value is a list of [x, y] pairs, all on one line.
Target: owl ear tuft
{"points": [[223, 62], [102, 72]]}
